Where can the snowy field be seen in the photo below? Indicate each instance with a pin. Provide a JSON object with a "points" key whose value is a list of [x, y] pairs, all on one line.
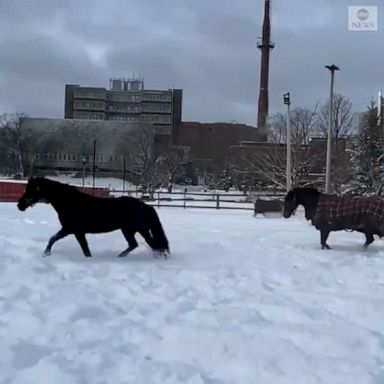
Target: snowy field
{"points": [[243, 300]]}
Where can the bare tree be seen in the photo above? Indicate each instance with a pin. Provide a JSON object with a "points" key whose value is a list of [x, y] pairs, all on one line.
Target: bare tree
{"points": [[15, 142], [170, 164], [270, 162], [277, 128], [303, 125], [344, 119]]}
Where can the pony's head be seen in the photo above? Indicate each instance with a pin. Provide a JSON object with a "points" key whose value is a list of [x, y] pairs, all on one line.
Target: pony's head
{"points": [[34, 192], [290, 203], [308, 197]]}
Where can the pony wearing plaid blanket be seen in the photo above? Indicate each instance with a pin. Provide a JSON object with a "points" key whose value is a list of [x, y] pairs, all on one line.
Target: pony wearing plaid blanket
{"points": [[332, 213]]}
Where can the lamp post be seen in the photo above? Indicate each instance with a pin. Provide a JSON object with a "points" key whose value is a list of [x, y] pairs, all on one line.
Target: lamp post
{"points": [[84, 161], [287, 102], [380, 100], [332, 68], [94, 164], [124, 170]]}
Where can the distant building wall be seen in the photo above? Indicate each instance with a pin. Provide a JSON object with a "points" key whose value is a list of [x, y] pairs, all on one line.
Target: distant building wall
{"points": [[65, 143], [209, 142]]}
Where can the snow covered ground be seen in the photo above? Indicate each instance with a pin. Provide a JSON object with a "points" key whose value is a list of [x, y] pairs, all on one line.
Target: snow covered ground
{"points": [[242, 300]]}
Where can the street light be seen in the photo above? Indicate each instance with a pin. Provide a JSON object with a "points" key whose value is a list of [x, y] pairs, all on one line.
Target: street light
{"points": [[287, 102], [84, 161], [380, 100], [332, 68]]}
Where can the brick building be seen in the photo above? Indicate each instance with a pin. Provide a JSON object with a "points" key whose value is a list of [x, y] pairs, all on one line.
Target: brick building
{"points": [[209, 143]]}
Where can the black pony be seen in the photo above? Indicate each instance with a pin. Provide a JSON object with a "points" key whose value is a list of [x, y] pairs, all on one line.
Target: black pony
{"points": [[332, 213], [80, 213]]}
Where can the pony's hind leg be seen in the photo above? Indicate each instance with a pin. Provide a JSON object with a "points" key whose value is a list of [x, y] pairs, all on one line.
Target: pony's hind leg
{"points": [[324, 233], [80, 237], [132, 243], [148, 238], [369, 228], [59, 235], [369, 239]]}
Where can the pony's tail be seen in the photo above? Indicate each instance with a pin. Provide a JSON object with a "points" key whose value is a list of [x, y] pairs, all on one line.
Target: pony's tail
{"points": [[157, 231]]}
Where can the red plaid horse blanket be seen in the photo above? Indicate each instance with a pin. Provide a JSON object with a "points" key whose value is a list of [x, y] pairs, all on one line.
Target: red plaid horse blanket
{"points": [[346, 212]]}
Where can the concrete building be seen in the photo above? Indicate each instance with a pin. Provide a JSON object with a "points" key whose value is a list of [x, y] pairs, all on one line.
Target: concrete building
{"points": [[126, 100]]}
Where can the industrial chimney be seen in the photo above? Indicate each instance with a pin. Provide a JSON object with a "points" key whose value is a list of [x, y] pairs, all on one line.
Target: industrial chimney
{"points": [[265, 45]]}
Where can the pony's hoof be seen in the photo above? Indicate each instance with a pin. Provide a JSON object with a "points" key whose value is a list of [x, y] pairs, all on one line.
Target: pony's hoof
{"points": [[161, 255], [46, 253], [325, 246], [88, 255]]}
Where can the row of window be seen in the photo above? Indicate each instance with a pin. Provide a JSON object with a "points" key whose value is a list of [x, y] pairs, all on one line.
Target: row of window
{"points": [[156, 97], [88, 115], [146, 118], [140, 108], [121, 96], [89, 94], [89, 105], [124, 108], [76, 157], [131, 119], [154, 107], [156, 119]]}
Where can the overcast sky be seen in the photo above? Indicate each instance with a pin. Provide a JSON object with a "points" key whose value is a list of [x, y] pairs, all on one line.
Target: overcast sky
{"points": [[206, 47]]}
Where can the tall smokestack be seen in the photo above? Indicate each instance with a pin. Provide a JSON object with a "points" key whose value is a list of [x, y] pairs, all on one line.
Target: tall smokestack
{"points": [[265, 45]]}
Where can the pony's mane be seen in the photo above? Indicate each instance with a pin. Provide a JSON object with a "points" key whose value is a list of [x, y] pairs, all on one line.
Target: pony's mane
{"points": [[310, 190], [57, 184], [290, 195], [301, 191]]}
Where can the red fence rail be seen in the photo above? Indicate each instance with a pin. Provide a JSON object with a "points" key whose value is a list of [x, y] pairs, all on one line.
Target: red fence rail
{"points": [[11, 191]]}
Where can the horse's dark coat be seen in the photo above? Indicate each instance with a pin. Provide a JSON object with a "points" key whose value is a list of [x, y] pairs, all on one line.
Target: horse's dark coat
{"points": [[80, 213], [332, 213]]}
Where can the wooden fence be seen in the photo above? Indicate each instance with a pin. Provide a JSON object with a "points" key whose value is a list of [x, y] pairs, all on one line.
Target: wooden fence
{"points": [[202, 200], [11, 191]]}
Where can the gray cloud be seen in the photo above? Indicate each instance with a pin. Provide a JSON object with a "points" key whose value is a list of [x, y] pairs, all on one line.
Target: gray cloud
{"points": [[207, 48]]}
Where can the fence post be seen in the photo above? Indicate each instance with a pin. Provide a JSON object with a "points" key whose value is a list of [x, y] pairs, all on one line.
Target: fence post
{"points": [[158, 199], [218, 201], [185, 197]]}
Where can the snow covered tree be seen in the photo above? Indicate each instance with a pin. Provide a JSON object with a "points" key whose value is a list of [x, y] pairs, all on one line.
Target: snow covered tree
{"points": [[368, 157]]}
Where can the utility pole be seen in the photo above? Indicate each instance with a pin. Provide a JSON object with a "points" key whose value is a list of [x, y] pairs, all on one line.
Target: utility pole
{"points": [[287, 102], [332, 68]]}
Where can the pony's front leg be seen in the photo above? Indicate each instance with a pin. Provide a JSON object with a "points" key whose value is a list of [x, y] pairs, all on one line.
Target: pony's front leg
{"points": [[324, 233], [59, 235], [80, 237], [132, 243]]}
